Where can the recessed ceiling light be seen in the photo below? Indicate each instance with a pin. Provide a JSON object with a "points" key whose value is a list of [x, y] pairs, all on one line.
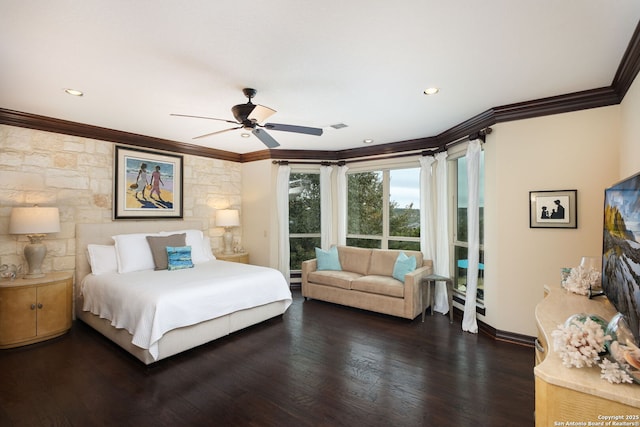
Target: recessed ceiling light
{"points": [[245, 135], [367, 141], [74, 92], [431, 91]]}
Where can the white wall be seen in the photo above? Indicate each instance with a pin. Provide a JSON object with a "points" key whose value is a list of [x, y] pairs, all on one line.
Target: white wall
{"points": [[630, 132], [576, 150], [259, 222]]}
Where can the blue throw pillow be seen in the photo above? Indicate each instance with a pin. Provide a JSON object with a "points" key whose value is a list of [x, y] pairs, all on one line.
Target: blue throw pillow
{"points": [[179, 257], [404, 264], [328, 260]]}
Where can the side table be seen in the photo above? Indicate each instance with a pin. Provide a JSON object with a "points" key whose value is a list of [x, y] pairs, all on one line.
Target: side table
{"points": [[241, 257], [430, 282]]}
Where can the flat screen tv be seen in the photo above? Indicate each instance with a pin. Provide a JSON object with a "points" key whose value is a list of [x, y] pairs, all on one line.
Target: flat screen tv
{"points": [[621, 250]]}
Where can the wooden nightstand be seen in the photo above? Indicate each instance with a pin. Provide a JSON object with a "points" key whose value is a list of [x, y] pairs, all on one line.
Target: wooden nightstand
{"points": [[241, 257], [33, 310]]}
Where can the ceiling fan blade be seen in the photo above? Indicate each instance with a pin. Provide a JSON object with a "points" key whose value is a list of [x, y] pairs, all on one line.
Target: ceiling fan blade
{"points": [[202, 117], [260, 113], [217, 132], [265, 138], [293, 128]]}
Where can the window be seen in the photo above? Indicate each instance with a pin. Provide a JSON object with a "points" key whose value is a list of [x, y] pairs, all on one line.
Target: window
{"points": [[460, 237], [304, 217], [383, 209]]}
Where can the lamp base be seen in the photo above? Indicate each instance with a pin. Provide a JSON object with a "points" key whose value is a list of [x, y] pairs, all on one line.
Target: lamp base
{"points": [[228, 240], [34, 253]]}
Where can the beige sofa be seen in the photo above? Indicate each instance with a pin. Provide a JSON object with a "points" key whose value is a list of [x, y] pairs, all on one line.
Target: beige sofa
{"points": [[366, 281]]}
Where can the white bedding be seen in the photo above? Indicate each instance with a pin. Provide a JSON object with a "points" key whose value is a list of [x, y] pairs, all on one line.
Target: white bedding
{"points": [[150, 303]]}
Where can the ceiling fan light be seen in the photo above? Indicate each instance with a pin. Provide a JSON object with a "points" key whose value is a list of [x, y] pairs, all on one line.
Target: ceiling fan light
{"points": [[260, 113]]}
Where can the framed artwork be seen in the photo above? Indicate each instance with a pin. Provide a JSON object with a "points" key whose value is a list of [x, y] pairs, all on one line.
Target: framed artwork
{"points": [[553, 209], [148, 184]]}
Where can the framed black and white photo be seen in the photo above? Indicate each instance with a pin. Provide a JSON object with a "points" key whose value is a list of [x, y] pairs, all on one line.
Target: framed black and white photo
{"points": [[553, 209], [147, 184]]}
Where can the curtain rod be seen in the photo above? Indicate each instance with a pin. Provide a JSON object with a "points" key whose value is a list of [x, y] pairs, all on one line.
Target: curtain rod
{"points": [[481, 134]]}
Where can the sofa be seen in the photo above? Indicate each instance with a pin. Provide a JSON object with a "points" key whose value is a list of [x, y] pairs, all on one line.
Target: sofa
{"points": [[364, 279]]}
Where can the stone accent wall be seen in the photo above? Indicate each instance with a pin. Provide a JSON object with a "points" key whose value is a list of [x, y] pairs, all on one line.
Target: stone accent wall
{"points": [[76, 175]]}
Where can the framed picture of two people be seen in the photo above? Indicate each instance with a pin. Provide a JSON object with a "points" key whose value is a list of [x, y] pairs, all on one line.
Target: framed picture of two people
{"points": [[553, 209]]}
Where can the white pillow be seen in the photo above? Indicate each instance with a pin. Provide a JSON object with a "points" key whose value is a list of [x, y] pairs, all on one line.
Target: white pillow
{"points": [[102, 259], [133, 252], [195, 239]]}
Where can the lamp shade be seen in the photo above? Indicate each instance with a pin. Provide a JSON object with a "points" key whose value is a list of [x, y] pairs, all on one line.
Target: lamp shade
{"points": [[34, 220], [227, 218]]}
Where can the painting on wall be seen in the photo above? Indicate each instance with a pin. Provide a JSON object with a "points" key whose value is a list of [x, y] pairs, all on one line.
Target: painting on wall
{"points": [[553, 209], [148, 184]]}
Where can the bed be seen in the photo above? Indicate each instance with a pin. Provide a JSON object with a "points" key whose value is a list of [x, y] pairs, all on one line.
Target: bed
{"points": [[244, 295]]}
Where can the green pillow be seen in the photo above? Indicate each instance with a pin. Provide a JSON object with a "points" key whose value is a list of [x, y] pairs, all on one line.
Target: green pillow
{"points": [[404, 264], [179, 258], [328, 260]]}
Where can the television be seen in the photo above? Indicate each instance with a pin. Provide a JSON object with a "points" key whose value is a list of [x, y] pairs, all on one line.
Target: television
{"points": [[621, 250]]}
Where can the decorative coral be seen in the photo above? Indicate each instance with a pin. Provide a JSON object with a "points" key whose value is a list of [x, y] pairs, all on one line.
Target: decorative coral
{"points": [[581, 279], [579, 342]]}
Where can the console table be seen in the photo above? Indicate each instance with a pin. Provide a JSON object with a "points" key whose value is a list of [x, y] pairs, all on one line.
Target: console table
{"points": [[571, 394]]}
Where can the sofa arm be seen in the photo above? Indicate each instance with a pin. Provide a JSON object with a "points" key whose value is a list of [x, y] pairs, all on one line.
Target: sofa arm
{"points": [[308, 266], [412, 289]]}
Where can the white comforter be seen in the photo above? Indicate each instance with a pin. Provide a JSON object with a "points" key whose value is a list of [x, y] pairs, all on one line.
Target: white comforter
{"points": [[150, 303]]}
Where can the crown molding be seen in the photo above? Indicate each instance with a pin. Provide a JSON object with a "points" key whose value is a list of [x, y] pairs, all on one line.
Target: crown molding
{"points": [[50, 124], [627, 71]]}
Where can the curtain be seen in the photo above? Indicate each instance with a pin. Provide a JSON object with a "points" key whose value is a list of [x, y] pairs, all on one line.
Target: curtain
{"points": [[428, 228], [342, 204], [469, 322], [441, 265], [282, 208], [326, 209]]}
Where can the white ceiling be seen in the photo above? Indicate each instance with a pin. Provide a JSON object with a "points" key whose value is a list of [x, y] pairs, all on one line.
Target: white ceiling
{"points": [[363, 63]]}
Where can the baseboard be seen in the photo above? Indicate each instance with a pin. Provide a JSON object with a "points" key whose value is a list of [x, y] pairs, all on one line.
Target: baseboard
{"points": [[498, 335]]}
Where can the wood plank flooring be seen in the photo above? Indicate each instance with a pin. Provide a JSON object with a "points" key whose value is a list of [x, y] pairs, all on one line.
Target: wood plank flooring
{"points": [[318, 365]]}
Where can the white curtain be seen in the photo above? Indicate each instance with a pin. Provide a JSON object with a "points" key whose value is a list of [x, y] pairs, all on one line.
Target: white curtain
{"points": [[326, 208], [282, 207], [441, 266], [428, 239], [469, 322], [342, 204]]}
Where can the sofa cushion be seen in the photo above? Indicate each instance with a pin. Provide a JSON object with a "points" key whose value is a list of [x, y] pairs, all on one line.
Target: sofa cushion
{"points": [[337, 279], [328, 260], [404, 265], [355, 259], [382, 285], [383, 261]]}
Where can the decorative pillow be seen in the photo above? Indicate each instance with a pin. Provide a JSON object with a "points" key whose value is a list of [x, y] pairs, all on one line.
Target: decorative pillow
{"points": [[102, 259], [158, 245], [328, 260], [404, 264], [195, 239], [179, 258], [133, 252]]}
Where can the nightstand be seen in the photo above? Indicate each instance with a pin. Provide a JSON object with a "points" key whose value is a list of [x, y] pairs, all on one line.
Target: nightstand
{"points": [[34, 310], [241, 257]]}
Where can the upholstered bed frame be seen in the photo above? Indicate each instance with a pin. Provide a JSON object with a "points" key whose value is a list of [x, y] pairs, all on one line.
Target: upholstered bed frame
{"points": [[177, 340]]}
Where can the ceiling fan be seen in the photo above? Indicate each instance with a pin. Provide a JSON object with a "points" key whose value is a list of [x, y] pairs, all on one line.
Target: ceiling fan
{"points": [[249, 116]]}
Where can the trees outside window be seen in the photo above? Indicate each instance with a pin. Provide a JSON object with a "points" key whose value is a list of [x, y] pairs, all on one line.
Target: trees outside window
{"points": [[383, 209], [304, 217]]}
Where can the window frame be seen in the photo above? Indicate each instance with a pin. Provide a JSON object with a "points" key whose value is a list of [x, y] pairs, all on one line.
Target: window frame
{"points": [[452, 184]]}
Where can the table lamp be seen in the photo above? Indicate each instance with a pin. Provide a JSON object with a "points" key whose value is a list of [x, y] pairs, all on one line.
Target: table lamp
{"points": [[35, 222], [227, 218]]}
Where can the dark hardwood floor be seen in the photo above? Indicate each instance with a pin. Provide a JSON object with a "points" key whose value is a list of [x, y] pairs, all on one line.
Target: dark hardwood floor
{"points": [[318, 365]]}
